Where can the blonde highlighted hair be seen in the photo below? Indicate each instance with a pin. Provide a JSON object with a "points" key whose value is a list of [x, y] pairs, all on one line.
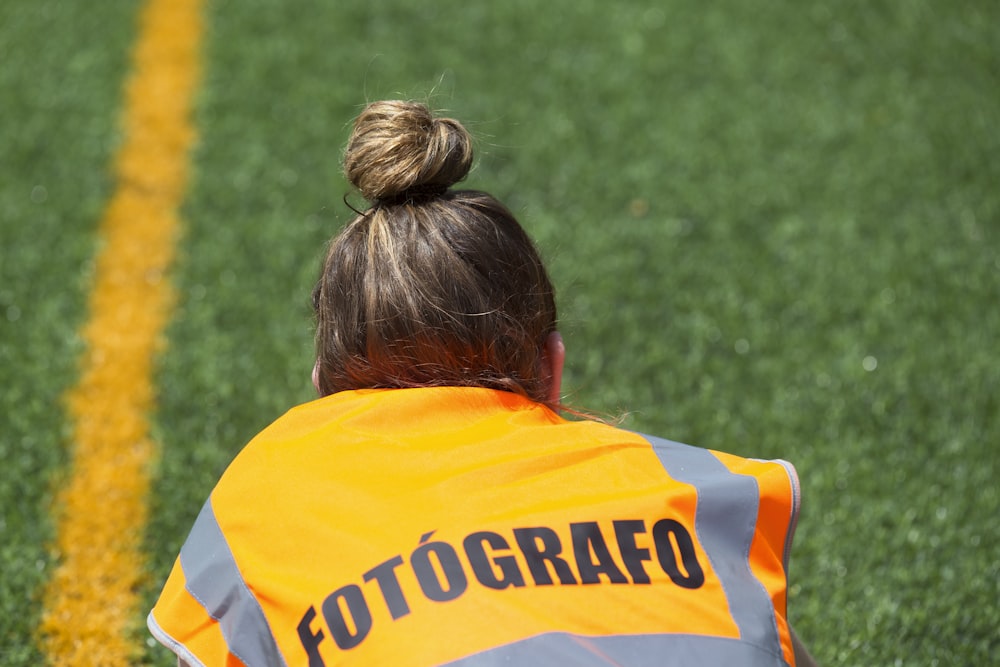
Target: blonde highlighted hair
{"points": [[429, 286]]}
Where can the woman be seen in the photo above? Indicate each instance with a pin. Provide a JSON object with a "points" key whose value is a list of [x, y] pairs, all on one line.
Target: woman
{"points": [[432, 507]]}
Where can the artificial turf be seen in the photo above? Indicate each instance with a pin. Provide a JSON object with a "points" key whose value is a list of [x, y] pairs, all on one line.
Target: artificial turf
{"points": [[773, 227], [59, 101]]}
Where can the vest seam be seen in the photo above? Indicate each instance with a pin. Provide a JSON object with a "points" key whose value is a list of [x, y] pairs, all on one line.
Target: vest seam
{"points": [[178, 649], [793, 519]]}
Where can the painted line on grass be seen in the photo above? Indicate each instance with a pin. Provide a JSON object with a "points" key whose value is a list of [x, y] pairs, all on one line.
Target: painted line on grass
{"points": [[91, 602]]}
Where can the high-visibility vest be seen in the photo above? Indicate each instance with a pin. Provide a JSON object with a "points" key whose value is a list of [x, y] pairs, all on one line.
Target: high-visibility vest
{"points": [[474, 527]]}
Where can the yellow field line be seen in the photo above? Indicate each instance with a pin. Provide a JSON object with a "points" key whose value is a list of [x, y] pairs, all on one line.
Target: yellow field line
{"points": [[91, 605]]}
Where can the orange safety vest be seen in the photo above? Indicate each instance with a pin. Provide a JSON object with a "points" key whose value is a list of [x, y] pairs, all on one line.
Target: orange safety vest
{"points": [[474, 527]]}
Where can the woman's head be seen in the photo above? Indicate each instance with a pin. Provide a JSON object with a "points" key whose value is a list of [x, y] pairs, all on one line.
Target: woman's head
{"points": [[429, 286]]}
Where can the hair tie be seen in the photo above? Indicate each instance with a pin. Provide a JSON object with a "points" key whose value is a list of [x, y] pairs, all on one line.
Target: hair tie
{"points": [[415, 195]]}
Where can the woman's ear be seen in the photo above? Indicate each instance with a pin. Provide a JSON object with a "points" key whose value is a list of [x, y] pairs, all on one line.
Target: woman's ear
{"points": [[553, 358]]}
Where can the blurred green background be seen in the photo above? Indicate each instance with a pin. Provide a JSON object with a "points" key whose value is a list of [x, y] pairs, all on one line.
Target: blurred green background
{"points": [[773, 226]]}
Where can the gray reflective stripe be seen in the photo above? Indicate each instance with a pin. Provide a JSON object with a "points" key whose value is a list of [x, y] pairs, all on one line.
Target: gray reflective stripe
{"points": [[214, 579], [725, 522], [560, 649]]}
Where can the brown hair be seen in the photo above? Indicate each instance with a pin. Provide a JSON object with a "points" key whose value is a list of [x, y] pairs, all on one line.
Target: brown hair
{"points": [[429, 286]]}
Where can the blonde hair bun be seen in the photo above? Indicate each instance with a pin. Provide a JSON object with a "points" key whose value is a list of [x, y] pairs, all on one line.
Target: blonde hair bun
{"points": [[399, 150]]}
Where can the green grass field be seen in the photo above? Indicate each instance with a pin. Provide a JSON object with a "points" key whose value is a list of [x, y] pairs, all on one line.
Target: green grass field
{"points": [[775, 228]]}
